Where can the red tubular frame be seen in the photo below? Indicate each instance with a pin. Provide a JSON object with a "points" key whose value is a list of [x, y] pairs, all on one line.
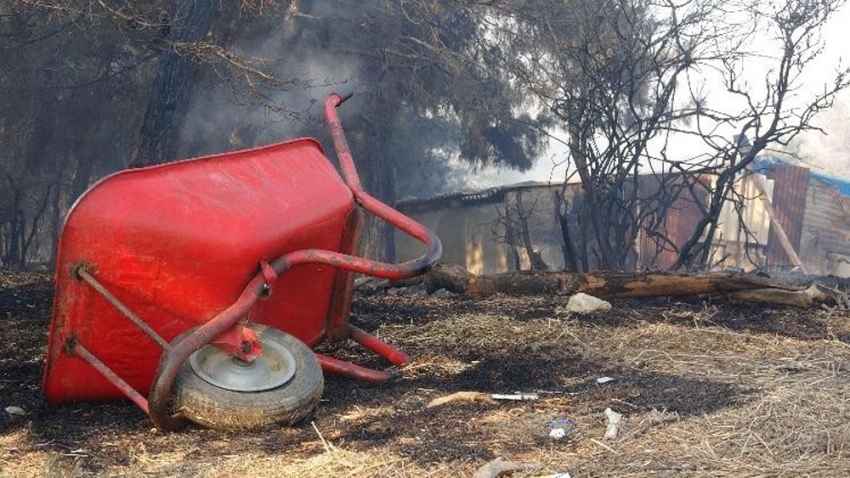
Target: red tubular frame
{"points": [[348, 369], [337, 327], [181, 348], [76, 348]]}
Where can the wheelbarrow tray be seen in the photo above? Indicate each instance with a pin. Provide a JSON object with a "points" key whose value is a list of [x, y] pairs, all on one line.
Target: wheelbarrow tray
{"points": [[177, 243]]}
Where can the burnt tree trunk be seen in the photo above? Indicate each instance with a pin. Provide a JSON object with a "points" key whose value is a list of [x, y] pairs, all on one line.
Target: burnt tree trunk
{"points": [[12, 242], [172, 88], [28, 237], [562, 212], [378, 174], [378, 170], [56, 220], [525, 234], [510, 236], [612, 285]]}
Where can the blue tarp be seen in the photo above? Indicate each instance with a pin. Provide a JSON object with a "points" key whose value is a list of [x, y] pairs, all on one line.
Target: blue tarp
{"points": [[763, 164]]}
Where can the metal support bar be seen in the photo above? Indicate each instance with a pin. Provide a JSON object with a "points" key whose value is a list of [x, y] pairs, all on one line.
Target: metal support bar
{"points": [[83, 273], [395, 356], [78, 349], [348, 369]]}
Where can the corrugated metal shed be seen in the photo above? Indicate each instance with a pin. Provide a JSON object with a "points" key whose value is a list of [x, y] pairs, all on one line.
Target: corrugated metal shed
{"points": [[825, 237], [813, 212], [677, 224], [790, 184], [471, 226]]}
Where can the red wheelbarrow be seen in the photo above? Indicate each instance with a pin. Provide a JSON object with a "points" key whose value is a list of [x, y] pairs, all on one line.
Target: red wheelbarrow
{"points": [[197, 288]]}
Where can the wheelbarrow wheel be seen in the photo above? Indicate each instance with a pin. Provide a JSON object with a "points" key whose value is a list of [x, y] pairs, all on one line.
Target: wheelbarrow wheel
{"points": [[282, 386]]}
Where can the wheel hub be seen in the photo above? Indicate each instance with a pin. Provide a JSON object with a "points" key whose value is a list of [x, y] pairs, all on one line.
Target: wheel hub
{"points": [[273, 368]]}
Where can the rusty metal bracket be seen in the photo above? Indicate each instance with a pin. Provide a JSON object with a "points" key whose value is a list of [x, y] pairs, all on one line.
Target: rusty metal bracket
{"points": [[241, 342]]}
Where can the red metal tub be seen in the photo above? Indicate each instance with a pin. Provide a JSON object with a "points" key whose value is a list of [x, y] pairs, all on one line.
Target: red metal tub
{"points": [[155, 263]]}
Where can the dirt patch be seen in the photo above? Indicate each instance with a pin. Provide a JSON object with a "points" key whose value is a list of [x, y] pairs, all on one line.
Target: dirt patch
{"points": [[709, 389]]}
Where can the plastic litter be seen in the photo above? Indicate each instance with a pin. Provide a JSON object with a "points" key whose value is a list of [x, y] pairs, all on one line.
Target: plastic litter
{"points": [[560, 428]]}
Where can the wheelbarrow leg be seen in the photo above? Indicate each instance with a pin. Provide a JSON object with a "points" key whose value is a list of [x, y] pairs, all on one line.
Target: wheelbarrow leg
{"points": [[75, 348], [348, 369], [395, 356], [376, 345]]}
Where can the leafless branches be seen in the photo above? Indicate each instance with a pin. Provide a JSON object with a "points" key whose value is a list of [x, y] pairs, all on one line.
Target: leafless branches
{"points": [[771, 115], [626, 77]]}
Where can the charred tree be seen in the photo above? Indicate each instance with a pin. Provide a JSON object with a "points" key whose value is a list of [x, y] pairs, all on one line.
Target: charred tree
{"points": [[379, 176], [618, 76], [504, 231], [534, 258], [563, 213], [171, 91], [768, 118]]}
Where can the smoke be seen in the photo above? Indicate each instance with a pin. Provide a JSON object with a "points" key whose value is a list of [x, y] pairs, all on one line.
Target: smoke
{"points": [[313, 54], [223, 119], [231, 111], [829, 150]]}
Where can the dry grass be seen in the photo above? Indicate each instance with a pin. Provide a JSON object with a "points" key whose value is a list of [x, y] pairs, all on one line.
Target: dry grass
{"points": [[699, 399], [797, 422]]}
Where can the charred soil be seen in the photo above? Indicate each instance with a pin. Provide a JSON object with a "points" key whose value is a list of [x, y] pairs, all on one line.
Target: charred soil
{"points": [[714, 389]]}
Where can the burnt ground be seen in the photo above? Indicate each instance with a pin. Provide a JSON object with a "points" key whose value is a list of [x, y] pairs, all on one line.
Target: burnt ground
{"points": [[706, 389]]}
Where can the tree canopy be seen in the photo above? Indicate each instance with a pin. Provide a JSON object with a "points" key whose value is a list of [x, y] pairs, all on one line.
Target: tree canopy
{"points": [[94, 86]]}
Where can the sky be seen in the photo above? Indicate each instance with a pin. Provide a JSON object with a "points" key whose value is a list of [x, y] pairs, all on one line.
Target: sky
{"points": [[830, 152]]}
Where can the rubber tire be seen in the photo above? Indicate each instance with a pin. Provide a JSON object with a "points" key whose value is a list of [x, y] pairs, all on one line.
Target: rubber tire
{"points": [[221, 409]]}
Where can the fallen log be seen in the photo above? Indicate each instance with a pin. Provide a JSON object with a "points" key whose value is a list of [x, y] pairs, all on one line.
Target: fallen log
{"points": [[612, 285]]}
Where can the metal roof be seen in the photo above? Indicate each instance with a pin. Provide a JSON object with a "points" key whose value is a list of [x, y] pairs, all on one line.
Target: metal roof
{"points": [[494, 194]]}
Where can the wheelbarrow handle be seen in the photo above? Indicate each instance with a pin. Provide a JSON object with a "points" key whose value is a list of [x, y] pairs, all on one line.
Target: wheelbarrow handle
{"points": [[344, 96], [369, 203]]}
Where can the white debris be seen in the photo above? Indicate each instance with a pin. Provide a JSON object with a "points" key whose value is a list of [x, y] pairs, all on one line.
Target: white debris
{"points": [[582, 303], [15, 411], [558, 433], [604, 380], [515, 396], [613, 428]]}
